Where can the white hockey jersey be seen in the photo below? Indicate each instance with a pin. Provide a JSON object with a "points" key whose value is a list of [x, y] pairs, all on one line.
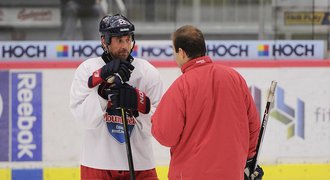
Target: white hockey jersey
{"points": [[101, 148]]}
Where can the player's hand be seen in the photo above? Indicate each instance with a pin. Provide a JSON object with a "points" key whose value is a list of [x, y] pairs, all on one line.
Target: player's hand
{"points": [[125, 70], [104, 90], [130, 98], [257, 174], [116, 71]]}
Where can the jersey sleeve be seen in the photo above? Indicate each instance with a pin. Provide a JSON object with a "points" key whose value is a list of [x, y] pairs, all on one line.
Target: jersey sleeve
{"points": [[86, 105], [154, 90]]}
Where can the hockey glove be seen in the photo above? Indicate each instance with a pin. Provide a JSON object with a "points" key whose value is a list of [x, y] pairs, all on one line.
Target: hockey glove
{"points": [[132, 99], [249, 175], [104, 90], [116, 71]]}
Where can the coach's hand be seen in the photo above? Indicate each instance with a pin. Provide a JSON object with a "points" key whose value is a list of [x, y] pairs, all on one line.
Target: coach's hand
{"points": [[257, 174]]}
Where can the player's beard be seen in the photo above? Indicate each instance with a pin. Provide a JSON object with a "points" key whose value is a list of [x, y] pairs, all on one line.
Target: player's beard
{"points": [[121, 54]]}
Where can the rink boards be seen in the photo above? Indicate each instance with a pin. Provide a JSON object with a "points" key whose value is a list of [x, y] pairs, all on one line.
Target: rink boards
{"points": [[296, 144]]}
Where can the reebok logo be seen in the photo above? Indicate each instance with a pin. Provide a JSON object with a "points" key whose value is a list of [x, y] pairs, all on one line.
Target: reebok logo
{"points": [[26, 117], [200, 61], [20, 116], [124, 29]]}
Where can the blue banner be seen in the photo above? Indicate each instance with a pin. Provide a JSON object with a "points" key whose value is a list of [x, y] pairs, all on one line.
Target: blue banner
{"points": [[4, 116], [26, 116]]}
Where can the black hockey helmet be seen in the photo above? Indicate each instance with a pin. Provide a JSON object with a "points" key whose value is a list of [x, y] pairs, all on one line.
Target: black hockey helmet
{"points": [[115, 25]]}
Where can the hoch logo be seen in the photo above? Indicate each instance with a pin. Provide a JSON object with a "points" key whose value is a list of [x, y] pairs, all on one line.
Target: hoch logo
{"points": [[263, 50], [62, 50]]}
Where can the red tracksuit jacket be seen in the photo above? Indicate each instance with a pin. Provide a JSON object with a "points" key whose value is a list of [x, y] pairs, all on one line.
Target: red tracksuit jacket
{"points": [[209, 119]]}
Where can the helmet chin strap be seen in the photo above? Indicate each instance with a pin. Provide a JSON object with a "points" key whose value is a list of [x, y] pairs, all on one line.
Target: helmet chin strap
{"points": [[106, 56], [132, 47], [130, 57], [107, 50]]}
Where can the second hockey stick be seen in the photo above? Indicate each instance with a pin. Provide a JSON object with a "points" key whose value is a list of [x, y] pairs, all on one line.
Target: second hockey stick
{"points": [[270, 100]]}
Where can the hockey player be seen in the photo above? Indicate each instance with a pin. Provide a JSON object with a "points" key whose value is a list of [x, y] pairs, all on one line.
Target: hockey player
{"points": [[104, 151], [207, 116]]}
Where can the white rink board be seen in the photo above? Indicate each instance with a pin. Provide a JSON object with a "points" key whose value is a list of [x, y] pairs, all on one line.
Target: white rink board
{"points": [[310, 85], [61, 138]]}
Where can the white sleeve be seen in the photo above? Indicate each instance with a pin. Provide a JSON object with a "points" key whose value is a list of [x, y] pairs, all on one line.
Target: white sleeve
{"points": [[154, 90], [86, 105]]}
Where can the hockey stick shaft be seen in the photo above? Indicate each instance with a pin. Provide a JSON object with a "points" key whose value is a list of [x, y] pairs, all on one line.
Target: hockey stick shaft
{"points": [[128, 145], [270, 100]]}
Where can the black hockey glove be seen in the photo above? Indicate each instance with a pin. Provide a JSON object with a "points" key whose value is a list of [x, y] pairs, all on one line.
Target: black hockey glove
{"points": [[113, 95], [130, 99], [104, 90], [249, 175], [116, 71]]}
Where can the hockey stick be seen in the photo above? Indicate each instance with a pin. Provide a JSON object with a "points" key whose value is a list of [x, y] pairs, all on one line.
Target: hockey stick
{"points": [[126, 134], [128, 145], [270, 100]]}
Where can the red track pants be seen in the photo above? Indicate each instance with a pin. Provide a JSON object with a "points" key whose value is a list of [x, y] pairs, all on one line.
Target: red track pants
{"points": [[88, 173]]}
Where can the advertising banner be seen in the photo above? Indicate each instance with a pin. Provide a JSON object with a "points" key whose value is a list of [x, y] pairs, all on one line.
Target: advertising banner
{"points": [[266, 50], [27, 17], [49, 51], [306, 18], [26, 116], [4, 115], [162, 50]]}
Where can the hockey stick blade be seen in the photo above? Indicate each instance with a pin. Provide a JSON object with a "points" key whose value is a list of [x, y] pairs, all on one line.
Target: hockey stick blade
{"points": [[270, 100]]}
